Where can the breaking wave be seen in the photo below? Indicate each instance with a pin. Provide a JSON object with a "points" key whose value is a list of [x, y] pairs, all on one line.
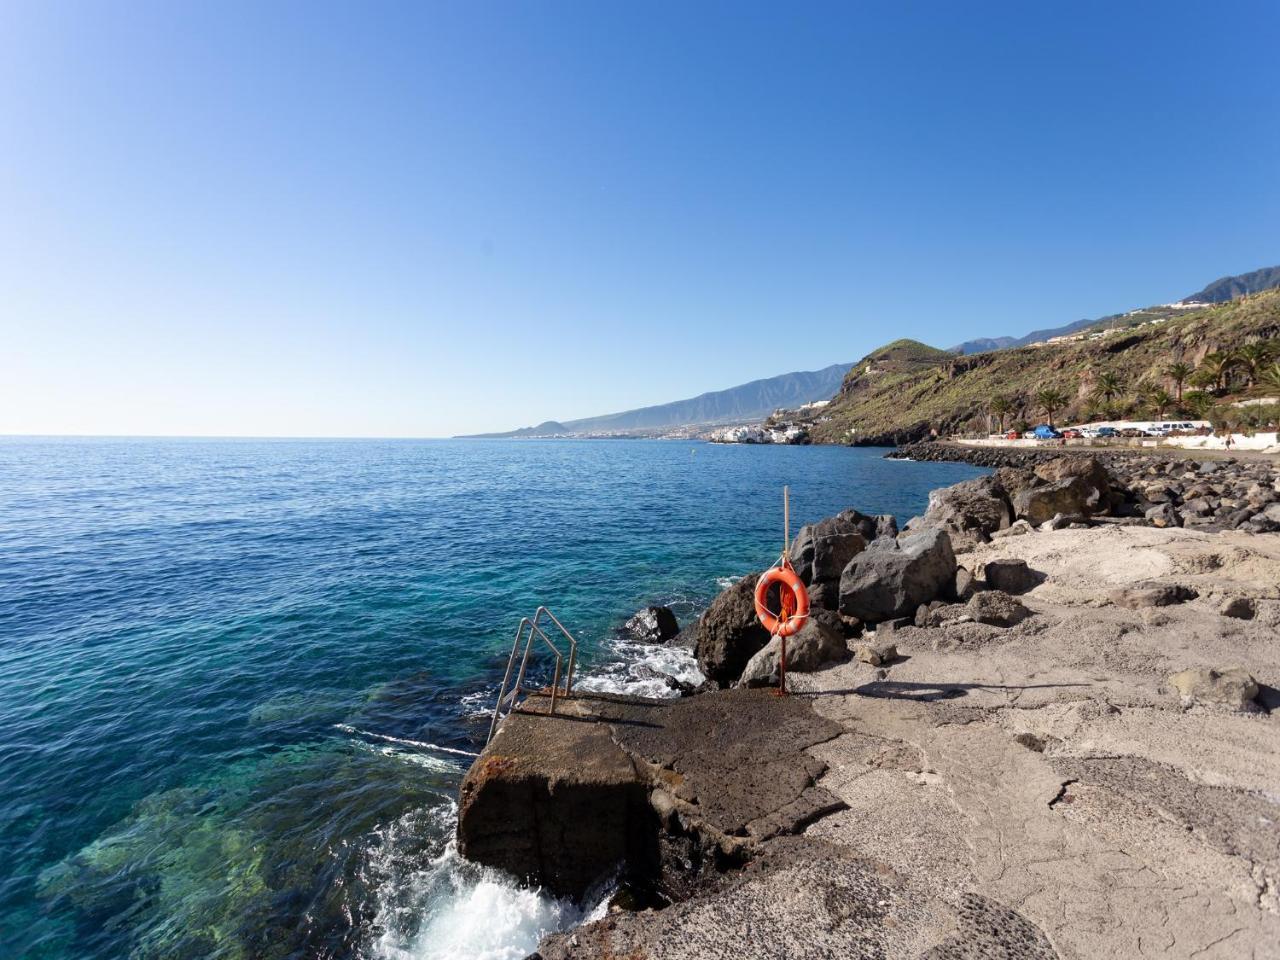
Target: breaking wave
{"points": [[449, 909]]}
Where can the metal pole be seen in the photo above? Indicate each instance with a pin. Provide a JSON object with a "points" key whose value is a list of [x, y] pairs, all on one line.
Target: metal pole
{"points": [[782, 668], [506, 678], [786, 520]]}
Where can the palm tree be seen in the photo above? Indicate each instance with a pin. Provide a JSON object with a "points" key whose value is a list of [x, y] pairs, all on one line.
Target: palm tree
{"points": [[1108, 386], [1050, 400], [1160, 401], [1270, 377], [1178, 373], [1217, 366], [1143, 393], [1000, 407], [1202, 379], [1253, 358]]}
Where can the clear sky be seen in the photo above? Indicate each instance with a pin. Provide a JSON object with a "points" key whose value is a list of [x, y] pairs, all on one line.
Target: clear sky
{"points": [[422, 219]]}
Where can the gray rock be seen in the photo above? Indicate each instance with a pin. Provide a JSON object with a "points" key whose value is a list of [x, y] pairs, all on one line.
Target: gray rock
{"points": [[1200, 506], [1061, 521], [996, 608], [816, 645], [1163, 515], [1151, 595], [1232, 688], [1071, 496], [892, 577], [1087, 469], [1011, 576], [970, 511], [876, 653], [1261, 524], [1014, 480], [822, 550], [729, 634], [1017, 529], [965, 584], [653, 625]]}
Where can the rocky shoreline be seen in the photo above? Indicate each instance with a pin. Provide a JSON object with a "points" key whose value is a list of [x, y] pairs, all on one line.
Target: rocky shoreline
{"points": [[1166, 487], [1062, 675]]}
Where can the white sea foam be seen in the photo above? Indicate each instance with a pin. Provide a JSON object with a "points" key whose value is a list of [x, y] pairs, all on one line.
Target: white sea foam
{"points": [[640, 669], [347, 728], [449, 908]]}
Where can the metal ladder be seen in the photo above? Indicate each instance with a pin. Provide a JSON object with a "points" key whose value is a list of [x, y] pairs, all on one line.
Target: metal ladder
{"points": [[508, 698]]}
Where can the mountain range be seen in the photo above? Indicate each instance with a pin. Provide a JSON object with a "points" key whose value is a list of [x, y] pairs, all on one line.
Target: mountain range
{"points": [[1228, 288], [749, 401], [759, 398], [1220, 291]]}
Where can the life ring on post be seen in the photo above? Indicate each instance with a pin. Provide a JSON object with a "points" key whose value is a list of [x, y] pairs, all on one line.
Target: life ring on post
{"points": [[795, 601]]}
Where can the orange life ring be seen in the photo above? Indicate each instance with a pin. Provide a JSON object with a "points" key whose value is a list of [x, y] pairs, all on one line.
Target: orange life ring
{"points": [[795, 602]]}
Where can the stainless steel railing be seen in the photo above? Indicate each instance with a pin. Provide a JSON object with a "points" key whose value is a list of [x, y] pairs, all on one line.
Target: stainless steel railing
{"points": [[528, 630]]}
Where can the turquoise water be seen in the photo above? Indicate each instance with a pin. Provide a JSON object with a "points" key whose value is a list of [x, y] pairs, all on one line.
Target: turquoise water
{"points": [[240, 680]]}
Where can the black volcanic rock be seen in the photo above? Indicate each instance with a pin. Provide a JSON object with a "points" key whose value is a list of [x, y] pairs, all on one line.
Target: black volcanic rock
{"points": [[652, 625], [891, 578]]}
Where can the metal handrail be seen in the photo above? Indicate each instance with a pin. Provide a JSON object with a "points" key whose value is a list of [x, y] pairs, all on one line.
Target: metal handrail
{"points": [[534, 631]]}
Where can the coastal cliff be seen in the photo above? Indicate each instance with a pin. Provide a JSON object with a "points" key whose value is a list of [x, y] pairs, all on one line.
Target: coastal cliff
{"points": [[903, 391], [1048, 752]]}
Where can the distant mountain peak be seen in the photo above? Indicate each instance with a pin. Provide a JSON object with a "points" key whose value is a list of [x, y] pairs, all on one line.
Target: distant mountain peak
{"points": [[1228, 288], [747, 401], [1220, 291]]}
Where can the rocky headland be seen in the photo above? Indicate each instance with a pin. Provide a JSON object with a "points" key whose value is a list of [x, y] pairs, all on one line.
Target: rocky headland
{"points": [[1038, 721]]}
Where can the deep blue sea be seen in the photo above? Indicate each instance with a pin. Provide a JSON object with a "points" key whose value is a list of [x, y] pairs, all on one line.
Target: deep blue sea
{"points": [[240, 680]]}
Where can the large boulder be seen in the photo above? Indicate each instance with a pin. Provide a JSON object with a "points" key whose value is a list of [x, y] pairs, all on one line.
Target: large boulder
{"points": [[652, 625], [822, 550], [1071, 496], [1013, 480], [818, 643], [871, 527], [1089, 469], [970, 511], [729, 634], [892, 577]]}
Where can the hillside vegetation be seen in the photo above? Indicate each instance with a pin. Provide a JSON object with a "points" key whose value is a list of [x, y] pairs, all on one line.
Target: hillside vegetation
{"points": [[905, 389]]}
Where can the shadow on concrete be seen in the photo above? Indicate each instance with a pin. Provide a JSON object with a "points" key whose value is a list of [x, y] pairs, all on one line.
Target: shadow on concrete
{"points": [[930, 692]]}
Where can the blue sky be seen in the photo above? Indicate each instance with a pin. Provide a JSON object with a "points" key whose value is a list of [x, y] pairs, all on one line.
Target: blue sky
{"points": [[422, 219]]}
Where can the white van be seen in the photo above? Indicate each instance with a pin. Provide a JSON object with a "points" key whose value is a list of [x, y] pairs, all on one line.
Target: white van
{"points": [[1164, 428]]}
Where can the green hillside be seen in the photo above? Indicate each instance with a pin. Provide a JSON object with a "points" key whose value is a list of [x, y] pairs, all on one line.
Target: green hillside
{"points": [[904, 389]]}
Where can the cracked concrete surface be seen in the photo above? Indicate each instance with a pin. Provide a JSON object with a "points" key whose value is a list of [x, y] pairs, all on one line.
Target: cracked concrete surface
{"points": [[1085, 798], [1028, 792]]}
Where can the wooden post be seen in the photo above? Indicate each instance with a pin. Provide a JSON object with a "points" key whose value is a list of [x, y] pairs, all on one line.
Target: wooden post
{"points": [[786, 520]]}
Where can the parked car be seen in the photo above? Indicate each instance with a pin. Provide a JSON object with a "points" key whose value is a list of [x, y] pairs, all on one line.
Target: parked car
{"points": [[1131, 432], [1072, 434], [1013, 435], [1103, 433], [1046, 432]]}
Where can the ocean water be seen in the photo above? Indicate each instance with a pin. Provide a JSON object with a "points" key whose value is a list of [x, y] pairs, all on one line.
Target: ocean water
{"points": [[240, 680]]}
